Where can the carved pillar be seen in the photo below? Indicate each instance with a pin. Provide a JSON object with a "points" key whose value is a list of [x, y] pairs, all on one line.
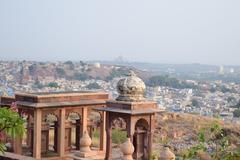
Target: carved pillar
{"points": [[29, 130], [61, 133], [150, 134], [103, 132], [37, 134], [130, 128], [150, 139], [109, 145], [17, 141], [84, 120], [17, 145], [108, 155]]}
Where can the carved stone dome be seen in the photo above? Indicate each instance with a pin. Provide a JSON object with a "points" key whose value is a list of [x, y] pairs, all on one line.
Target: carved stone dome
{"points": [[131, 88]]}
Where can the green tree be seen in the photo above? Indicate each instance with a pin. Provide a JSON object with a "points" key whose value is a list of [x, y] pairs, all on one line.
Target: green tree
{"points": [[236, 113], [81, 76], [231, 99], [224, 89], [215, 138], [94, 86], [213, 90], [165, 80], [238, 105], [60, 71], [195, 103], [157, 81], [37, 84], [70, 64], [116, 73], [53, 84], [11, 124], [32, 69]]}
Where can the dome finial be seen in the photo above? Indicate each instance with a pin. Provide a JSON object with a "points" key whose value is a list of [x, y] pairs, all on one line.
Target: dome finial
{"points": [[131, 88]]}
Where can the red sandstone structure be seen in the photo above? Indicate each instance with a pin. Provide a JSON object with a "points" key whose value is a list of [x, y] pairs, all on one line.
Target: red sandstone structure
{"points": [[59, 115], [138, 114], [38, 108], [6, 101]]}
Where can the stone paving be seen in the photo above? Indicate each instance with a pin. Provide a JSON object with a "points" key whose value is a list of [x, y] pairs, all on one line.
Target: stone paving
{"points": [[116, 155]]}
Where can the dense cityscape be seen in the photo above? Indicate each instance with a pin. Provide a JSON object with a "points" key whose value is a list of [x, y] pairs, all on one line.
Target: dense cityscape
{"points": [[214, 98], [120, 80]]}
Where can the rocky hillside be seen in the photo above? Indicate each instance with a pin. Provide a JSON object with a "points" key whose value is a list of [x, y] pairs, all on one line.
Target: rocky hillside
{"points": [[180, 131], [27, 70]]}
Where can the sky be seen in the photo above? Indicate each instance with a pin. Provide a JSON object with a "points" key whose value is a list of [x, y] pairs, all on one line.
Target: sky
{"points": [[159, 31]]}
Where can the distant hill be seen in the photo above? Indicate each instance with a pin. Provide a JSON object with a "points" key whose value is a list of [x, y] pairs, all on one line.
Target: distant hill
{"points": [[192, 71], [69, 70]]}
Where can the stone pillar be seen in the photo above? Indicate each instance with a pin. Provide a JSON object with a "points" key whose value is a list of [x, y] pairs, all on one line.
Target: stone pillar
{"points": [[108, 154], [17, 145], [150, 134], [84, 120], [127, 149], [61, 133], [103, 132], [29, 130], [109, 145], [37, 134], [150, 139], [130, 128]]}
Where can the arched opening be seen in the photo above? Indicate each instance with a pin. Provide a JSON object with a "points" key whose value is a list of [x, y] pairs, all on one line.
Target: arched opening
{"points": [[49, 141], [140, 140], [72, 132], [94, 123], [25, 138], [118, 135]]}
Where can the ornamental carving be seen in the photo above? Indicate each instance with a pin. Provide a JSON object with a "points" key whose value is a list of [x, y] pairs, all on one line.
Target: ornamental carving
{"points": [[131, 88]]}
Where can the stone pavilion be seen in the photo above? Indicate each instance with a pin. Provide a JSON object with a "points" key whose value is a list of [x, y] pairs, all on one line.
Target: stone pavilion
{"points": [[138, 114]]}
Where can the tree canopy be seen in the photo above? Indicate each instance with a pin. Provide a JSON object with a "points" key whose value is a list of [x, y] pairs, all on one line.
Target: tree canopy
{"points": [[11, 124], [117, 73], [60, 71], [236, 113], [94, 86], [195, 103], [53, 84], [81, 76], [165, 80]]}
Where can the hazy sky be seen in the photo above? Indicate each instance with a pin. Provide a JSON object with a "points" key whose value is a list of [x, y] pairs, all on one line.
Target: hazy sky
{"points": [[164, 31]]}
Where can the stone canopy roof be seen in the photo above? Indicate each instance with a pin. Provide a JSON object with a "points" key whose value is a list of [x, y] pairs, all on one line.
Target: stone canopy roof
{"points": [[60, 99]]}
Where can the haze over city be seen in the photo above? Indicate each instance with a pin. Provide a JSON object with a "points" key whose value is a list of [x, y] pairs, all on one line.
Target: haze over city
{"points": [[173, 31], [120, 80]]}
